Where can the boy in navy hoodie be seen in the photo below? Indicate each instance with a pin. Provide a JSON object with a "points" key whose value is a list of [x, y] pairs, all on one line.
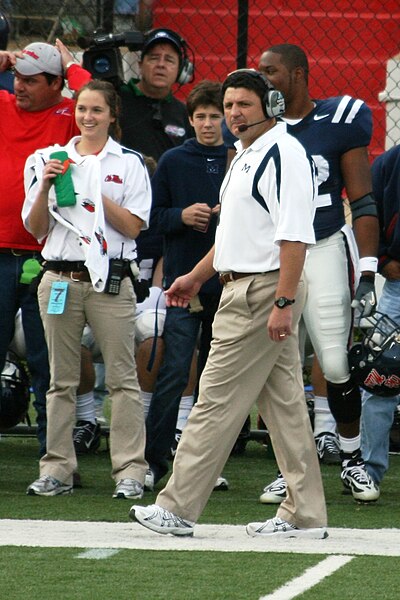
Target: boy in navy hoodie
{"points": [[185, 211]]}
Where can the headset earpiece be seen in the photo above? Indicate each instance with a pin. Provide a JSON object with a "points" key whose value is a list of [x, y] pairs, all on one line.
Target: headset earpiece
{"points": [[186, 72], [274, 103]]}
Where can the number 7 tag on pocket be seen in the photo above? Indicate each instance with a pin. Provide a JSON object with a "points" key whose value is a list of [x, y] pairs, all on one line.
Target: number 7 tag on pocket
{"points": [[58, 298]]}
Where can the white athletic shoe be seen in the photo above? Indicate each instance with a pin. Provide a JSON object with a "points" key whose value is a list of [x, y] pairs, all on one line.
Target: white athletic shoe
{"points": [[221, 485], [159, 519], [277, 527], [274, 492], [48, 486], [128, 488], [356, 478]]}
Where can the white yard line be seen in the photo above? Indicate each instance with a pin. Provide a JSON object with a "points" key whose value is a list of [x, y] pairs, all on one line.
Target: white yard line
{"points": [[98, 553], [309, 579], [221, 538]]}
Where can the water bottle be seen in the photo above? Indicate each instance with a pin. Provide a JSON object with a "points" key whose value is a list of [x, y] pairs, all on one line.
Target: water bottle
{"points": [[64, 187]]}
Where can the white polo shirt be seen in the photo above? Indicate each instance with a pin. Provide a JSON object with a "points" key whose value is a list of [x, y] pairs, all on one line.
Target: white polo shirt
{"points": [[268, 195], [124, 179]]}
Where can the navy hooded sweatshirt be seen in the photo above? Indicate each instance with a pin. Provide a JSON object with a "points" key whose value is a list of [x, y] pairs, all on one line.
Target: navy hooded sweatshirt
{"points": [[185, 175]]}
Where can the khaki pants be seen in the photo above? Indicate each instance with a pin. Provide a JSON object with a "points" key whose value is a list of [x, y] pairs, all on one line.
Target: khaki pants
{"points": [[112, 321], [244, 366]]}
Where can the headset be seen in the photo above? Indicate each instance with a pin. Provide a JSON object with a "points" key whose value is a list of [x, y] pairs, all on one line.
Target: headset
{"points": [[273, 102], [186, 62]]}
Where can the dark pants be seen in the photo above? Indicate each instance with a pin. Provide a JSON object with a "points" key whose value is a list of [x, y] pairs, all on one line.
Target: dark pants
{"points": [[15, 295], [181, 330]]}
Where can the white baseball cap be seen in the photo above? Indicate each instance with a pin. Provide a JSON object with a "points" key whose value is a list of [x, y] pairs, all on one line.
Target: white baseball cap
{"points": [[39, 58]]}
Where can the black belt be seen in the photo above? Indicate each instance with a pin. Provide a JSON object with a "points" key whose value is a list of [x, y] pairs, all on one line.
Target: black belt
{"points": [[64, 266], [76, 270], [18, 251]]}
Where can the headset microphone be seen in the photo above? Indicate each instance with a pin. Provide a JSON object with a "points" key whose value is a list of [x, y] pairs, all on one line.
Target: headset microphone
{"points": [[243, 127]]}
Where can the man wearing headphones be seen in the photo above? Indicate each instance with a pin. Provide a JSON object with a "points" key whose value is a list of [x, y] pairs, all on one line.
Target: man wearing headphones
{"points": [[153, 121], [336, 132], [265, 226]]}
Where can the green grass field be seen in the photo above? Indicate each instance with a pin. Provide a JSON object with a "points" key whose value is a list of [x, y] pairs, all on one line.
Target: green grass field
{"points": [[136, 574]]}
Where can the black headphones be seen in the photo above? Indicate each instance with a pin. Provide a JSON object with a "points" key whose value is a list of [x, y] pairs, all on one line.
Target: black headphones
{"points": [[186, 64], [273, 102]]}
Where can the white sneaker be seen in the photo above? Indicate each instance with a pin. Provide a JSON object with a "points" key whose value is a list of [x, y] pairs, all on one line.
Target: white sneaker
{"points": [[277, 527], [48, 486], [275, 492], [221, 485], [356, 478], [128, 488], [159, 519]]}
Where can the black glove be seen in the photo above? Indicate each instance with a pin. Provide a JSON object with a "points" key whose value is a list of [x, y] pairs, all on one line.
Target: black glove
{"points": [[365, 297]]}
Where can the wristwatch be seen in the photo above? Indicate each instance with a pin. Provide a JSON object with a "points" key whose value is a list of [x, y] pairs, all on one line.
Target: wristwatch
{"points": [[283, 301]]}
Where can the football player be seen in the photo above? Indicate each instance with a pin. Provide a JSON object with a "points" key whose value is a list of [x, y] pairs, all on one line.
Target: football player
{"points": [[336, 132]]}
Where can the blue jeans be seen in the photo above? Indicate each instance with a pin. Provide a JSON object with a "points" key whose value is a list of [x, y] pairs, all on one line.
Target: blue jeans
{"points": [[15, 295], [181, 330], [378, 412]]}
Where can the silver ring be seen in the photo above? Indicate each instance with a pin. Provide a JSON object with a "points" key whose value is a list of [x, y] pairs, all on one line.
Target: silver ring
{"points": [[282, 335]]}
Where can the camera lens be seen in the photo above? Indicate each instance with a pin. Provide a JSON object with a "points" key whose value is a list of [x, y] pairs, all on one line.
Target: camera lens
{"points": [[101, 65]]}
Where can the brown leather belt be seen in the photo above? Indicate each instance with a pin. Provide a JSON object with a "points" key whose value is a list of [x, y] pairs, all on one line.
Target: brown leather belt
{"points": [[17, 251], [74, 275], [225, 278]]}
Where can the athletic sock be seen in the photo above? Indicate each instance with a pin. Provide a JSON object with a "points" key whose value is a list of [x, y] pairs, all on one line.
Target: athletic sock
{"points": [[85, 408], [323, 418], [146, 399], [185, 406], [350, 449]]}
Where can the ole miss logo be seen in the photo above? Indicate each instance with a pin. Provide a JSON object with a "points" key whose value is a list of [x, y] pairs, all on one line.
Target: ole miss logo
{"points": [[114, 179], [102, 241], [374, 378], [88, 205]]}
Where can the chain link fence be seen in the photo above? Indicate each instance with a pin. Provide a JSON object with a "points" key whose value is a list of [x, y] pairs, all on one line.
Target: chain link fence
{"points": [[353, 45]]}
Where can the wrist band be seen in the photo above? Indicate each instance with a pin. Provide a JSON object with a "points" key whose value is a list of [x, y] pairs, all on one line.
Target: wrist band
{"points": [[69, 64], [368, 263]]}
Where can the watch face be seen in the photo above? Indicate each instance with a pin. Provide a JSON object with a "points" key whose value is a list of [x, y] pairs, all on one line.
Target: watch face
{"points": [[282, 302]]}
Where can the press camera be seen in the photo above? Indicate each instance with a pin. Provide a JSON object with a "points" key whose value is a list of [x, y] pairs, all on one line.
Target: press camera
{"points": [[102, 56]]}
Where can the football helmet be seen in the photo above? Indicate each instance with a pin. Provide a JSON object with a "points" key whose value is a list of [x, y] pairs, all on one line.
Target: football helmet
{"points": [[17, 345], [14, 393], [375, 362]]}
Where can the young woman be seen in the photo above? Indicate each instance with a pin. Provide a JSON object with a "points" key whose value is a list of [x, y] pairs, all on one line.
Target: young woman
{"points": [[89, 250]]}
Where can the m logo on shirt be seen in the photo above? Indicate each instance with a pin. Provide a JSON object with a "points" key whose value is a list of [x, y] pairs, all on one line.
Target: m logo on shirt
{"points": [[246, 168]]}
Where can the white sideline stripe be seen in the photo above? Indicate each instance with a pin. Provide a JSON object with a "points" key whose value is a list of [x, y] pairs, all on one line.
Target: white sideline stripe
{"points": [[309, 579], [219, 538], [98, 553]]}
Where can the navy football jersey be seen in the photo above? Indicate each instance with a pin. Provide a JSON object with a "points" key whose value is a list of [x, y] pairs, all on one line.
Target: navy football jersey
{"points": [[335, 126]]}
